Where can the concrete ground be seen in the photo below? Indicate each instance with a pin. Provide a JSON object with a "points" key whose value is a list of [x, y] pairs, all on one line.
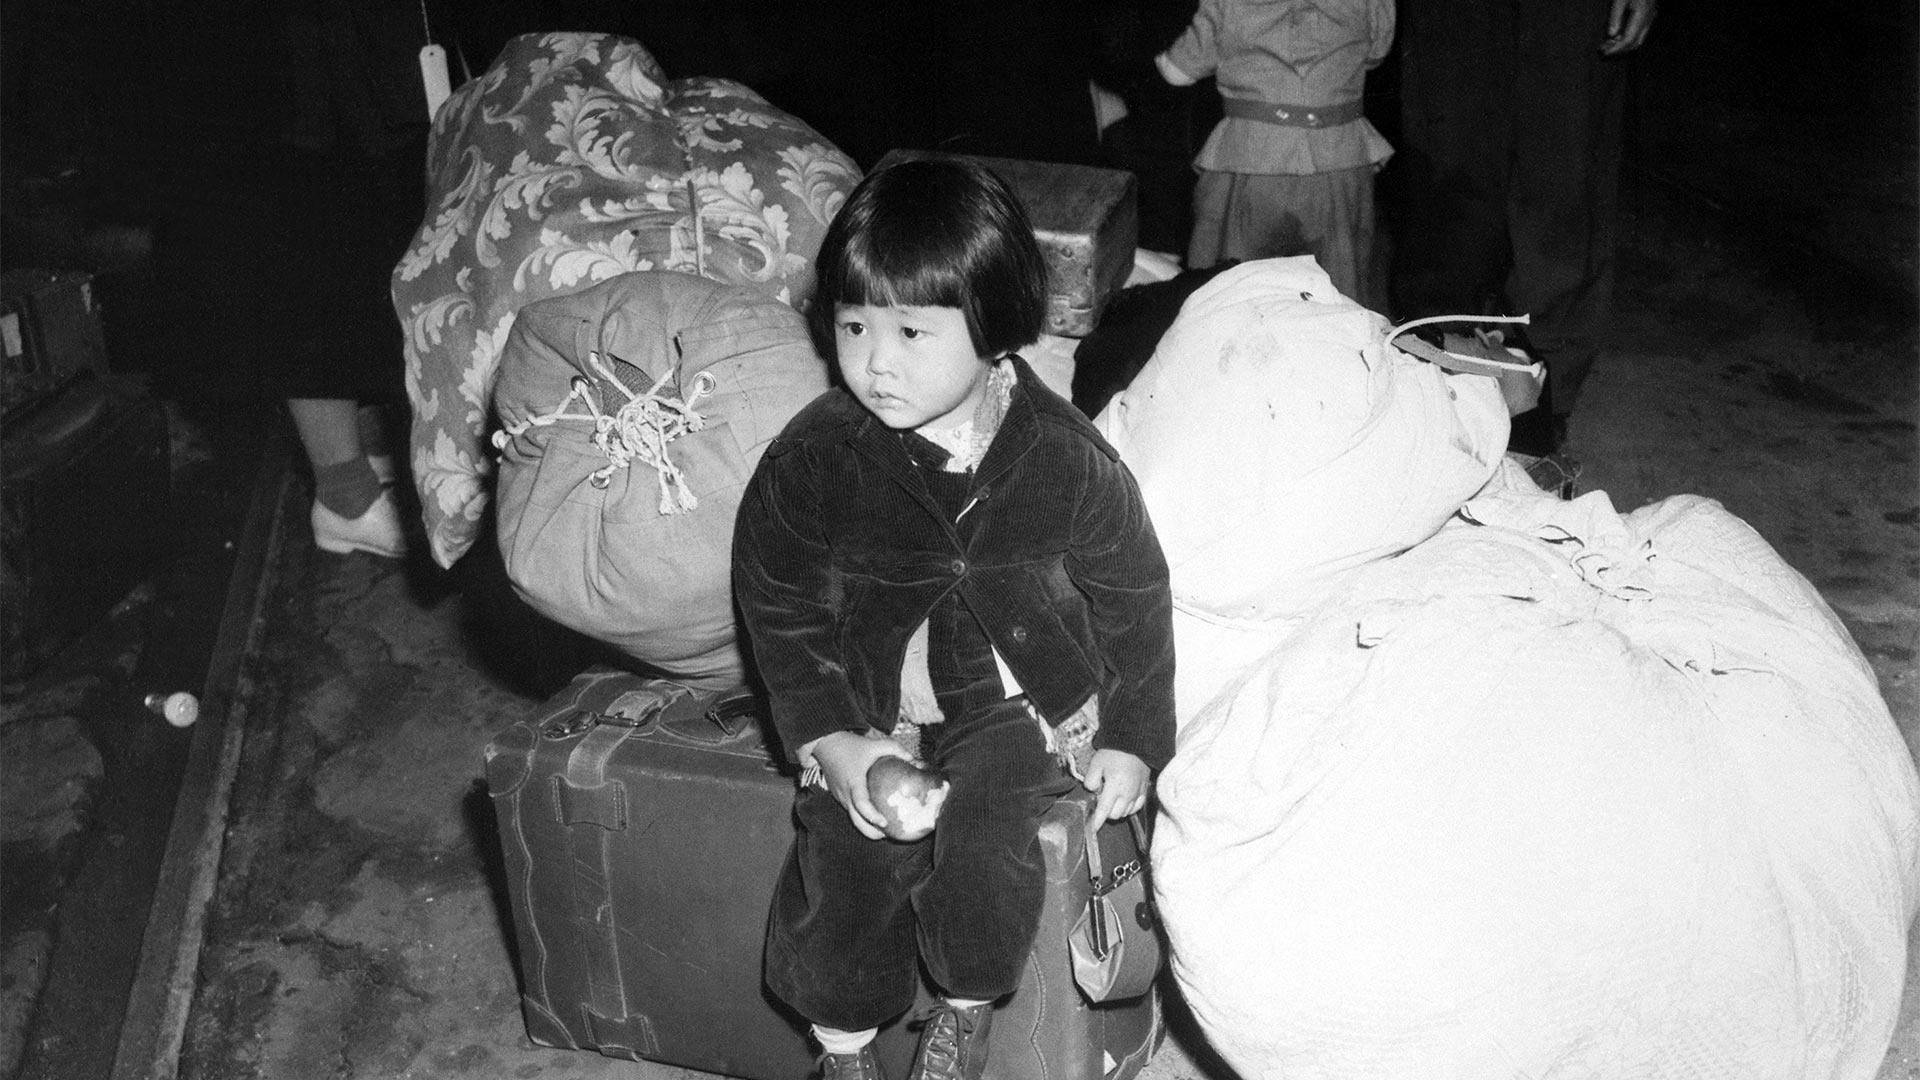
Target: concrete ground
{"points": [[355, 932]]}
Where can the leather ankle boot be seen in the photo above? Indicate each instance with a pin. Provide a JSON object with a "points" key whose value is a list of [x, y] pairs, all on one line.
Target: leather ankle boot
{"points": [[953, 1045]]}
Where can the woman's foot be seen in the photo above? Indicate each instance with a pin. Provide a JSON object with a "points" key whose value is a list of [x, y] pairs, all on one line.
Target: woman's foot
{"points": [[376, 532]]}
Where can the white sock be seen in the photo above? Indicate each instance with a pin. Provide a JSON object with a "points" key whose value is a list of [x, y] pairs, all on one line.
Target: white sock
{"points": [[963, 1003], [835, 1041]]}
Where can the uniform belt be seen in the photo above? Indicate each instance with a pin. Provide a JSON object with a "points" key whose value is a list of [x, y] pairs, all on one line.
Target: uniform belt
{"points": [[1307, 116]]}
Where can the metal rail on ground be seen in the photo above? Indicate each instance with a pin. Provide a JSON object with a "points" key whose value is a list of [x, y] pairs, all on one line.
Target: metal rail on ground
{"points": [[154, 1026]]}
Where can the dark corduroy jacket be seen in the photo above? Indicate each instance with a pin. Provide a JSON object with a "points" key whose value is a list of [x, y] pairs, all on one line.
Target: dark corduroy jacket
{"points": [[840, 551]]}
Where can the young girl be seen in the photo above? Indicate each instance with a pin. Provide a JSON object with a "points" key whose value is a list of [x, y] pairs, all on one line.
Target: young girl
{"points": [[941, 560], [1289, 169]]}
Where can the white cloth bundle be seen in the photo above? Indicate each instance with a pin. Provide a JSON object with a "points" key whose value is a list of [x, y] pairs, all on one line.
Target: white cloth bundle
{"points": [[1279, 441], [1555, 794]]}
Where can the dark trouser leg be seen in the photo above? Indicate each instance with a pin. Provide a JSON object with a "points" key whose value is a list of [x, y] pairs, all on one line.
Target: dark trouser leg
{"points": [[1511, 150], [1564, 198], [1456, 67], [842, 947], [980, 907], [840, 939]]}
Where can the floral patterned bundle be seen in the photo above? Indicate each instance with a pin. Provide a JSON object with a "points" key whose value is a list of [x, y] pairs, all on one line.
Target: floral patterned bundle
{"points": [[574, 159]]}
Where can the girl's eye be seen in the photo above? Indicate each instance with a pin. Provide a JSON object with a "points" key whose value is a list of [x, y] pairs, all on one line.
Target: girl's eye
{"points": [[911, 333], [853, 329]]}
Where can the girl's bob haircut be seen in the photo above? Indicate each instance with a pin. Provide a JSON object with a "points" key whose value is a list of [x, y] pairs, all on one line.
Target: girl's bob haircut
{"points": [[934, 232]]}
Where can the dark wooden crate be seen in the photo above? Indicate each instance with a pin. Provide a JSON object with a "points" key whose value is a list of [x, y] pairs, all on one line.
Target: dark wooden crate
{"points": [[1087, 220], [50, 323]]}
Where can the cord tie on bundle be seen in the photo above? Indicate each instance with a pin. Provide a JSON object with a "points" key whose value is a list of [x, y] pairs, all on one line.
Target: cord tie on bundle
{"points": [[641, 429]]}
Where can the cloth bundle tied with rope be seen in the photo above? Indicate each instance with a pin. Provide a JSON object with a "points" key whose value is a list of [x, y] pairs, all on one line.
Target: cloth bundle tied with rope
{"points": [[630, 416], [640, 429]]}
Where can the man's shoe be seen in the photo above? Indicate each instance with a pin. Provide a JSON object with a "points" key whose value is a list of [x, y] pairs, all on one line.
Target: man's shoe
{"points": [[376, 532], [953, 1045], [863, 1064]]}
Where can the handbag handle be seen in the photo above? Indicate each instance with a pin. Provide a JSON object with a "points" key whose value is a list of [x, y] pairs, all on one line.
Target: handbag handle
{"points": [[1097, 871]]}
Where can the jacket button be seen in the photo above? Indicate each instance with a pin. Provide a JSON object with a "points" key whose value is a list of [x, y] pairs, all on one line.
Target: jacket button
{"points": [[958, 566], [1018, 634]]}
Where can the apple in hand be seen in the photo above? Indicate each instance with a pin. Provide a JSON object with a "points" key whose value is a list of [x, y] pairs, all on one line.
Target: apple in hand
{"points": [[907, 795]]}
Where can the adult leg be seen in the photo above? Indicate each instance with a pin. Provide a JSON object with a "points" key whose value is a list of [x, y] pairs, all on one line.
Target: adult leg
{"points": [[329, 429], [1457, 124], [352, 510], [1564, 198], [376, 439], [346, 220]]}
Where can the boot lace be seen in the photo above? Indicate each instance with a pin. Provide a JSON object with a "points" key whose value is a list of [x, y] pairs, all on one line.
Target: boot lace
{"points": [[944, 1032]]}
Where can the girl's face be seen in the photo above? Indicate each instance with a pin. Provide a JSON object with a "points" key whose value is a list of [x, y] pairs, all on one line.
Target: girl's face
{"points": [[913, 367]]}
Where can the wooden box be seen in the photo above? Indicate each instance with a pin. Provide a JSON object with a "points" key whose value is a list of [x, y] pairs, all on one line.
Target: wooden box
{"points": [[1087, 220], [50, 323]]}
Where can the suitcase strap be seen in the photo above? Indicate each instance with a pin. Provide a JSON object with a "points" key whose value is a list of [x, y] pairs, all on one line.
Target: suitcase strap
{"points": [[581, 794], [592, 809]]}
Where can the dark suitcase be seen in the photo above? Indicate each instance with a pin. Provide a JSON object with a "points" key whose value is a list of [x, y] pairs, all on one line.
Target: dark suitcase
{"points": [[643, 827], [1087, 220], [85, 512]]}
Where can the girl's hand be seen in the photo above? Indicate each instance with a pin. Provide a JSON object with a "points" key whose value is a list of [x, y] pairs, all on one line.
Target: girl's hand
{"points": [[1121, 781], [844, 758]]}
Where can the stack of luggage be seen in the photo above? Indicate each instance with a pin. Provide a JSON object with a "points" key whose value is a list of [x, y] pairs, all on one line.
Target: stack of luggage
{"points": [[1473, 778], [635, 345]]}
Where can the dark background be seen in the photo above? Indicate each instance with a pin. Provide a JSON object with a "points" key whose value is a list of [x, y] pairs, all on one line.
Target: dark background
{"points": [[137, 134]]}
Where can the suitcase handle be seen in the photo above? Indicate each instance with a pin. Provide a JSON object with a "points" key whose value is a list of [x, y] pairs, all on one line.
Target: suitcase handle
{"points": [[633, 710], [724, 721], [733, 711], [580, 721]]}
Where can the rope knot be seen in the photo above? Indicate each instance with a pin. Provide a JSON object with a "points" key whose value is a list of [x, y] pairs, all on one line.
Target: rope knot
{"points": [[641, 429]]}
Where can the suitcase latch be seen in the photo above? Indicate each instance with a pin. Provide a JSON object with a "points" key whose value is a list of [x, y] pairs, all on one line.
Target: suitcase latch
{"points": [[581, 721], [567, 725], [632, 710]]}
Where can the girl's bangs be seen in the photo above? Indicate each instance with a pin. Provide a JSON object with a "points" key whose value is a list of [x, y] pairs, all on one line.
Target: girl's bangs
{"points": [[906, 275]]}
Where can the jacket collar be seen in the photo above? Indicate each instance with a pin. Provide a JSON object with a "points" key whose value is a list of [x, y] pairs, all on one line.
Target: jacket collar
{"points": [[1019, 429], [1018, 434]]}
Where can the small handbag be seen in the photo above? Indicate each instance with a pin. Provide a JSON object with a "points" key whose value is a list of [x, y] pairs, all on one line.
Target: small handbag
{"points": [[1115, 944]]}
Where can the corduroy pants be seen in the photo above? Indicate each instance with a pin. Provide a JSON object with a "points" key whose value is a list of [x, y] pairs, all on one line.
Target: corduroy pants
{"points": [[853, 919]]}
